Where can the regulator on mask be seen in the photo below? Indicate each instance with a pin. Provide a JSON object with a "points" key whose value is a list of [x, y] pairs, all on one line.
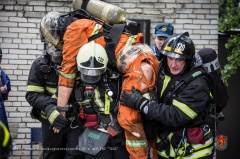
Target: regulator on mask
{"points": [[56, 55], [92, 62]]}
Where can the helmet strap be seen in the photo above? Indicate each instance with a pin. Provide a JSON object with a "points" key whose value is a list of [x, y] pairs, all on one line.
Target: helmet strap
{"points": [[188, 66]]}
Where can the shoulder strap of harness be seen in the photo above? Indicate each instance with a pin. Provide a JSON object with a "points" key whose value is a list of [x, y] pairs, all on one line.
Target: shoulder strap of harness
{"points": [[110, 120], [190, 76], [45, 67], [112, 41], [84, 4], [160, 76], [193, 74]]}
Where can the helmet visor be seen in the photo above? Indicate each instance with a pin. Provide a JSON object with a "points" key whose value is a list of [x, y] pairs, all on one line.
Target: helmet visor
{"points": [[91, 76], [90, 79], [91, 72]]}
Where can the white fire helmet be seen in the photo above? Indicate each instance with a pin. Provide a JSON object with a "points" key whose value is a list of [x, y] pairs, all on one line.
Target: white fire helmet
{"points": [[92, 62], [48, 29]]}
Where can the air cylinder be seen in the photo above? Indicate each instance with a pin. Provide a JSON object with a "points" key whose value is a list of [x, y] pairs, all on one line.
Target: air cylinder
{"points": [[107, 12]]}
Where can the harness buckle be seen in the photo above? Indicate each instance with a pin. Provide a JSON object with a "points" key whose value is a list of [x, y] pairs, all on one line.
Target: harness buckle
{"points": [[207, 133], [71, 124]]}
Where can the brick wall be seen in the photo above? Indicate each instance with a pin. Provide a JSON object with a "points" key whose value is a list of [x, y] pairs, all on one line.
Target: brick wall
{"points": [[21, 45]]}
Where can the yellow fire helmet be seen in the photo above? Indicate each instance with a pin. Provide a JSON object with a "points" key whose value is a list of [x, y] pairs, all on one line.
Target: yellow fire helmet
{"points": [[92, 62]]}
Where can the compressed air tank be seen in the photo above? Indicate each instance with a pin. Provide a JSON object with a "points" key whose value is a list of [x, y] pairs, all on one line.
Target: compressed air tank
{"points": [[107, 12]]}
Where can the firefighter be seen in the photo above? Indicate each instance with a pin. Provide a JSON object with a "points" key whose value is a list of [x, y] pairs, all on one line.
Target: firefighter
{"points": [[162, 32], [42, 96], [5, 141], [98, 89], [183, 115], [84, 71]]}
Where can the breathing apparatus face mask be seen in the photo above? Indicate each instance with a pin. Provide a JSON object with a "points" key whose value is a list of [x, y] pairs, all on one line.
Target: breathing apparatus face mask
{"points": [[90, 78], [56, 55]]}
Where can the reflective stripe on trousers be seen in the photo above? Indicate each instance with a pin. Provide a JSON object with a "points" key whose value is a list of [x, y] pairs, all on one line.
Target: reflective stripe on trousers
{"points": [[137, 148]]}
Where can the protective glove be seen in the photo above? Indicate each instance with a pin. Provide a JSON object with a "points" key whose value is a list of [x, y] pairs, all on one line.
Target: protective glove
{"points": [[134, 100], [55, 118]]}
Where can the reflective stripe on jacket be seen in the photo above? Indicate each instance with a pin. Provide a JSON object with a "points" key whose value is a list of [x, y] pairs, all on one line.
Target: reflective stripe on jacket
{"points": [[183, 108], [41, 87]]}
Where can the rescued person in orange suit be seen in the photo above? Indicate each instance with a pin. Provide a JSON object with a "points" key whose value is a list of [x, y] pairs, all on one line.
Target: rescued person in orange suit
{"points": [[181, 114], [161, 33]]}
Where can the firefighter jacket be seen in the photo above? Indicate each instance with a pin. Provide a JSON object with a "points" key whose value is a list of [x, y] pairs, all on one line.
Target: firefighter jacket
{"points": [[184, 110], [41, 86], [100, 110]]}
